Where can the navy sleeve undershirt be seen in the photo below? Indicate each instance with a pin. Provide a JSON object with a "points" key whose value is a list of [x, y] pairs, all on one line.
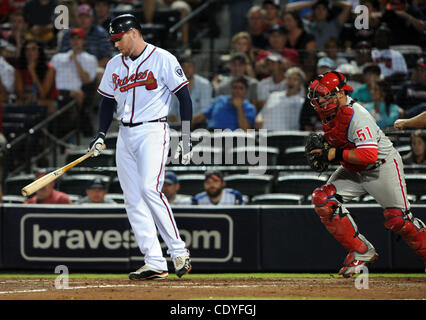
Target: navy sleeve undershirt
{"points": [[106, 113], [185, 103]]}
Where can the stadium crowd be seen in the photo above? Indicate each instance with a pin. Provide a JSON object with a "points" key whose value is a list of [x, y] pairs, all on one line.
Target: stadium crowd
{"points": [[275, 49]]}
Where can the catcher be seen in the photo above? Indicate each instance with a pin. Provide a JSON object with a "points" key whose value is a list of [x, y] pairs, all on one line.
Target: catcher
{"points": [[369, 164]]}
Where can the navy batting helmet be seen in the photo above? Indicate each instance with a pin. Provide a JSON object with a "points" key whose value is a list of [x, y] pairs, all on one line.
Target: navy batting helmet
{"points": [[121, 24]]}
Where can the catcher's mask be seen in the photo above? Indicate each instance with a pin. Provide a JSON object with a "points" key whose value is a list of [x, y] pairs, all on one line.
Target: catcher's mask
{"points": [[323, 90]]}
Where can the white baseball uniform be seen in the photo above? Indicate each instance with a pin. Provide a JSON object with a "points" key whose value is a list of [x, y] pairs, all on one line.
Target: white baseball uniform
{"points": [[143, 89]]}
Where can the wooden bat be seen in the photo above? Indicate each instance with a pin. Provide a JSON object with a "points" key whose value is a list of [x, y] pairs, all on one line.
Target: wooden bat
{"points": [[48, 178]]}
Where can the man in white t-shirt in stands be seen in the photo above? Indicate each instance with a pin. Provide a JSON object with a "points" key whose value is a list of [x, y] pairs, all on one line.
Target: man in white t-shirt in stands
{"points": [[75, 67], [391, 62], [275, 82], [282, 109]]}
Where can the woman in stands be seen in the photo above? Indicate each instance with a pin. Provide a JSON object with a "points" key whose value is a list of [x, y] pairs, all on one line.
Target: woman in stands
{"points": [[382, 107], [417, 155], [35, 77]]}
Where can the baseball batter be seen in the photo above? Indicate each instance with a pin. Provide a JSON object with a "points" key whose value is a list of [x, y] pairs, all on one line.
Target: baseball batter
{"points": [[369, 164], [141, 80]]}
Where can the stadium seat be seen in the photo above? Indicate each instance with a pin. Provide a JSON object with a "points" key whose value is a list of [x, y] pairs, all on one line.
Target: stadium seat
{"points": [[294, 156], [299, 183], [114, 186], [369, 199], [74, 197], [117, 197], [278, 199], [77, 183], [204, 155], [250, 185], [13, 185], [416, 184], [253, 155], [228, 140], [411, 53], [286, 139], [106, 158], [13, 199], [404, 149], [191, 184]]}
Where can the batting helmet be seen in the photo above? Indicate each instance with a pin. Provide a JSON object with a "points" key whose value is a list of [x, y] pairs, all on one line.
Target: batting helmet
{"points": [[121, 24]]}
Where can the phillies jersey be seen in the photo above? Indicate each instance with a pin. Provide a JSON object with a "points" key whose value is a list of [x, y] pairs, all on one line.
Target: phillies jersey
{"points": [[142, 87], [363, 132]]}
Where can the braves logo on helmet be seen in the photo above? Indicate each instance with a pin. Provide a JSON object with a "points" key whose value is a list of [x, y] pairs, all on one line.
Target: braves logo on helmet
{"points": [[322, 93]]}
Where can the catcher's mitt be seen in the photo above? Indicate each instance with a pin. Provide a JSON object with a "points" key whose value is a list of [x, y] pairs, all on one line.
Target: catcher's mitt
{"points": [[317, 161]]}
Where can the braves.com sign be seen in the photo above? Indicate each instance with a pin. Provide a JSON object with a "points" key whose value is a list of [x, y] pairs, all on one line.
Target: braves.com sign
{"points": [[108, 237]]}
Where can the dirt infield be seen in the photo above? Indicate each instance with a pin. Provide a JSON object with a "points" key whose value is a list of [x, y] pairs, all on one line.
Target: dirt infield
{"points": [[199, 287]]}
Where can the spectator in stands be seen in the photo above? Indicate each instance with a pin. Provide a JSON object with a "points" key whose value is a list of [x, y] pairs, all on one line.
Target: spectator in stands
{"points": [[237, 21], [16, 37], [417, 155], [277, 40], [371, 74], [96, 43], [405, 21], [241, 43], [48, 194], [333, 50], [238, 66], [412, 96], [297, 37], [7, 78], [282, 109], [75, 69], [382, 107], [200, 90], [255, 18], [419, 121], [216, 192], [229, 111], [323, 26], [95, 193], [40, 17], [272, 14], [362, 58], [103, 13], [35, 77], [275, 82], [391, 62], [171, 188], [325, 64]]}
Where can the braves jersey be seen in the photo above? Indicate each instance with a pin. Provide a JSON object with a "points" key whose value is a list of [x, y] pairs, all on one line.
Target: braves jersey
{"points": [[229, 197], [142, 87]]}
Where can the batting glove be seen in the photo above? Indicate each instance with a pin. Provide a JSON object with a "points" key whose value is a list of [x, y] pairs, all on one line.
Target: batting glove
{"points": [[96, 144], [184, 148]]}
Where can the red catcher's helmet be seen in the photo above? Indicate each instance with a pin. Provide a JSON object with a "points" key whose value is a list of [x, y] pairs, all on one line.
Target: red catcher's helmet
{"points": [[326, 87]]}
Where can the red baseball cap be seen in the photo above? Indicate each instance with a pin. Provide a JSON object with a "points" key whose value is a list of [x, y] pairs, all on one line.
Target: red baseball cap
{"points": [[78, 32]]}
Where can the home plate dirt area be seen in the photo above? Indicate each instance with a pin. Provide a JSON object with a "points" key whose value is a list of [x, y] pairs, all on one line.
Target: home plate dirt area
{"points": [[199, 287]]}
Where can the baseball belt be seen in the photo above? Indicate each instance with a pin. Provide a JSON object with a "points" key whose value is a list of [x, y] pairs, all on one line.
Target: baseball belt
{"points": [[131, 125]]}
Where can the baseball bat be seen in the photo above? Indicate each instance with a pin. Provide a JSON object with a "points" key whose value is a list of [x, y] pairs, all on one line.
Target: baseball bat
{"points": [[48, 178]]}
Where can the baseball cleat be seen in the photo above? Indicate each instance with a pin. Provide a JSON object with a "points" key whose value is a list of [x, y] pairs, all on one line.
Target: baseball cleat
{"points": [[354, 262], [147, 273], [182, 265]]}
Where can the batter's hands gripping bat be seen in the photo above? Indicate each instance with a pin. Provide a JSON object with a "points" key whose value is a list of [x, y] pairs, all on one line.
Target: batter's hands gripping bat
{"points": [[48, 178]]}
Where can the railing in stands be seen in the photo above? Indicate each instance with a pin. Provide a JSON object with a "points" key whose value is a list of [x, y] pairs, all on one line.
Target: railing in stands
{"points": [[27, 138]]}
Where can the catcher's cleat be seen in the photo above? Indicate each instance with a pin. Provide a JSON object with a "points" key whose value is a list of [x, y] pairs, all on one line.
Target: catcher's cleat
{"points": [[182, 265], [148, 273], [354, 262]]}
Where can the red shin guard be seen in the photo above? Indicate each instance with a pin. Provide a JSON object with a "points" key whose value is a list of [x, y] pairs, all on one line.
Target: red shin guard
{"points": [[341, 227], [401, 224]]}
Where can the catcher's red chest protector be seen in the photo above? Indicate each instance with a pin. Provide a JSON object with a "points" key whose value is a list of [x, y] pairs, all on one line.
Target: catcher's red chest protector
{"points": [[335, 132]]}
